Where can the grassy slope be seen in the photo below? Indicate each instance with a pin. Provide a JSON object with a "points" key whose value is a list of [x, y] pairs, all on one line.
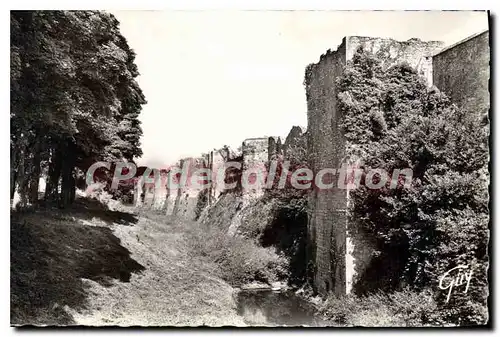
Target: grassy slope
{"points": [[93, 266]]}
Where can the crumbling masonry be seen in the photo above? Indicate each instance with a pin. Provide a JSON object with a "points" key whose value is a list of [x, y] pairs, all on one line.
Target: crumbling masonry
{"points": [[338, 252], [462, 71]]}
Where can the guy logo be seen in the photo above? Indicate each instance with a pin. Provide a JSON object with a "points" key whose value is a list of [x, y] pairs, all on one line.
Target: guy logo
{"points": [[455, 277]]}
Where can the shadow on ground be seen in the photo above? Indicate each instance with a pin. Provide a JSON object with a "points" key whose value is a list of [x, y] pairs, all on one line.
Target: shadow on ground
{"points": [[87, 209], [51, 251]]}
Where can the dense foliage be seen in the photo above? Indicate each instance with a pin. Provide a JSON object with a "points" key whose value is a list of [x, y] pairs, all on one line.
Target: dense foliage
{"points": [[391, 120], [287, 228], [74, 99], [403, 308]]}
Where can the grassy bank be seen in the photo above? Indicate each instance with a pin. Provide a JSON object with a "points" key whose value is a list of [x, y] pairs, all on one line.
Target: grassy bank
{"points": [[93, 266]]}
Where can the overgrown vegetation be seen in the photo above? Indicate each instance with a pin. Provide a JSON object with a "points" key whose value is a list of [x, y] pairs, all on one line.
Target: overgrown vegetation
{"points": [[288, 233], [397, 309], [240, 256], [279, 223], [74, 99], [240, 259], [391, 120], [287, 228], [201, 203]]}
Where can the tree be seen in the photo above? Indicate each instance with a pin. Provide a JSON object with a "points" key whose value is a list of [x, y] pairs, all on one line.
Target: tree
{"points": [[74, 98]]}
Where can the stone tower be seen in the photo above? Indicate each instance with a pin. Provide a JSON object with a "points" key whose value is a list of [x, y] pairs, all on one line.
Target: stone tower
{"points": [[334, 267]]}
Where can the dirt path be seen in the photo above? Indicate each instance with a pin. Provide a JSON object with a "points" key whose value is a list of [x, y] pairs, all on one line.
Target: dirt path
{"points": [[174, 289]]}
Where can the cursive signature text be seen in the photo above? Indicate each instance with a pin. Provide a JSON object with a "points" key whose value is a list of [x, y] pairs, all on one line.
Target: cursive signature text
{"points": [[455, 277]]}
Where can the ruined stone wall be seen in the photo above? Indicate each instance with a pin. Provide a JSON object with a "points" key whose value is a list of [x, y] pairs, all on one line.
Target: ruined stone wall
{"points": [[185, 201], [332, 247], [160, 191], [138, 189], [189, 201], [255, 152], [273, 148], [170, 199], [143, 193], [327, 218], [295, 146], [424, 68], [414, 51], [188, 195], [147, 193], [462, 72], [216, 160]]}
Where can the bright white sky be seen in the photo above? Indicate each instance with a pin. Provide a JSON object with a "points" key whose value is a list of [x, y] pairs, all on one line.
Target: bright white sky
{"points": [[214, 78]]}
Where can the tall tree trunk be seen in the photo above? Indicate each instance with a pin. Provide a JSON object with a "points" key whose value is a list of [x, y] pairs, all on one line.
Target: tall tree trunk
{"points": [[72, 194], [68, 164], [35, 172], [22, 181], [52, 187], [13, 170], [13, 180]]}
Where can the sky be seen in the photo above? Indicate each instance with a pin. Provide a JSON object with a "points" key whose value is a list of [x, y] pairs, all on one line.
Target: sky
{"points": [[214, 78]]}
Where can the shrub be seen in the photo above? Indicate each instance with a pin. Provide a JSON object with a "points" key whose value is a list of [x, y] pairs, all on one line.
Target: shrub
{"points": [[402, 308], [240, 260], [201, 203], [391, 120], [256, 216]]}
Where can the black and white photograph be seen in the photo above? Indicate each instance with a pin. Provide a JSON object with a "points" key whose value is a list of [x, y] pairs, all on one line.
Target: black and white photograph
{"points": [[250, 168]]}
